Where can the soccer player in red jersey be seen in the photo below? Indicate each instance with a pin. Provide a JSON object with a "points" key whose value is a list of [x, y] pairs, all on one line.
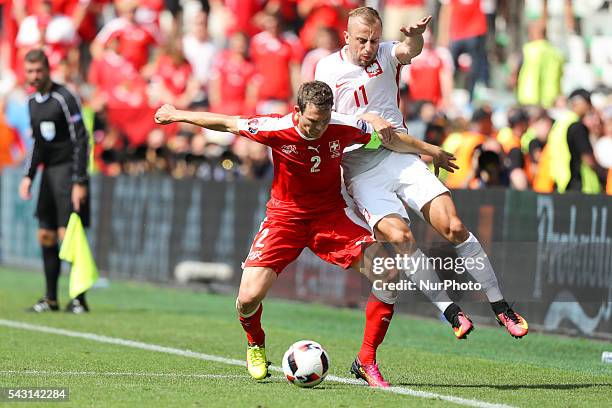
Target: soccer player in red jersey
{"points": [[306, 208]]}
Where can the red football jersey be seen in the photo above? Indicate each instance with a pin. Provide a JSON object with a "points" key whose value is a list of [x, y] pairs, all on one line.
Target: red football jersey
{"points": [[467, 19], [306, 171], [134, 40], [234, 75], [272, 57], [175, 77], [423, 74]]}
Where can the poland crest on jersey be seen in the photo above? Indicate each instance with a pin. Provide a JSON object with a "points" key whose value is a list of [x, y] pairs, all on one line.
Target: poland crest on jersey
{"points": [[374, 69]]}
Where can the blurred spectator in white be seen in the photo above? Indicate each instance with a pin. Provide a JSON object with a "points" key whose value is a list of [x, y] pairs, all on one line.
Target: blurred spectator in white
{"points": [[148, 13], [467, 36], [603, 146], [231, 88], [538, 77], [55, 32], [398, 13], [135, 39], [326, 43], [277, 62], [430, 75], [510, 139], [172, 79], [200, 51]]}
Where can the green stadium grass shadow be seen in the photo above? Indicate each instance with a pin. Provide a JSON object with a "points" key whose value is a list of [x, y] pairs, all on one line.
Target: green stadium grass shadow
{"points": [[510, 387]]}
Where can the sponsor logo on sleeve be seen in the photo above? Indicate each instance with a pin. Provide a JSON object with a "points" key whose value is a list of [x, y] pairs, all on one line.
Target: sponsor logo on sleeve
{"points": [[289, 149], [361, 124], [253, 126]]}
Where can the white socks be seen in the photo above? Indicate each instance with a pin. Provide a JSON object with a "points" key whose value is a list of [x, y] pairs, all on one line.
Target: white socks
{"points": [[425, 272], [481, 270]]}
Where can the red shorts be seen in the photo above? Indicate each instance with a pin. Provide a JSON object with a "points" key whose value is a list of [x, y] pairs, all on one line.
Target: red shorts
{"points": [[334, 237]]}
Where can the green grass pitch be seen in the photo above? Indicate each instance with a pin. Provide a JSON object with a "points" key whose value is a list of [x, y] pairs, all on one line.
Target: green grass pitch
{"points": [[422, 355]]}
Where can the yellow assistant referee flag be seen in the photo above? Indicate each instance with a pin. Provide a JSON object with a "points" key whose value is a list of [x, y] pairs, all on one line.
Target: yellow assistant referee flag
{"points": [[75, 249]]}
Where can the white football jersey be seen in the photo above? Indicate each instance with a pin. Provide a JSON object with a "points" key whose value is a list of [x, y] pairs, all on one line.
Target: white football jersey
{"points": [[371, 89], [360, 89]]}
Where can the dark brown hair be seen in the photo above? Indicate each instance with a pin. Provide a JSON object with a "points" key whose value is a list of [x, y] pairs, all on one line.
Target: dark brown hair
{"points": [[316, 93], [37, 55]]}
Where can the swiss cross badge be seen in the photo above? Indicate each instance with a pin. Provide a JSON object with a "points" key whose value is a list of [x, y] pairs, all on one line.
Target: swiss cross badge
{"points": [[334, 148]]}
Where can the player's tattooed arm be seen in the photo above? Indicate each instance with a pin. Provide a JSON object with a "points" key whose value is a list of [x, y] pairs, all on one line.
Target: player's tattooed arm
{"points": [[214, 121], [412, 45], [404, 143]]}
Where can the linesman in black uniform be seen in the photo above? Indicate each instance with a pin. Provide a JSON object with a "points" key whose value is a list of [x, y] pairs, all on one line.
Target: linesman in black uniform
{"points": [[61, 146]]}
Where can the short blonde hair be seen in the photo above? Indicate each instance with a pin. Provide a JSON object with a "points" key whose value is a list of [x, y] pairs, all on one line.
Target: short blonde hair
{"points": [[367, 14]]}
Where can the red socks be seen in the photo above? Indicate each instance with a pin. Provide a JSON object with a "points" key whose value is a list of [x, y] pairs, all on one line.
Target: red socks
{"points": [[378, 318], [252, 327]]}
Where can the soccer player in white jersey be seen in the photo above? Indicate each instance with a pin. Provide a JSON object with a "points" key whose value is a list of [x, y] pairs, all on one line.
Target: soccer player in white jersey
{"points": [[364, 77]]}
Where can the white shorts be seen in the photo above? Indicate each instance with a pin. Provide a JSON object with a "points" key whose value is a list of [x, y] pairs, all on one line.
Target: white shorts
{"points": [[400, 178]]}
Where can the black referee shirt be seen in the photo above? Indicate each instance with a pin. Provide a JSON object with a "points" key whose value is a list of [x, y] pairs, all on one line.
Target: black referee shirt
{"points": [[58, 131], [578, 143]]}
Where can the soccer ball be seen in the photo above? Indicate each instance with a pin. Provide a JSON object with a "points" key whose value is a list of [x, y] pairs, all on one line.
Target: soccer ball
{"points": [[306, 363]]}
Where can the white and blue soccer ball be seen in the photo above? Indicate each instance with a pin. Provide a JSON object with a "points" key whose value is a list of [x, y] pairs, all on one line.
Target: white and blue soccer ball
{"points": [[306, 363]]}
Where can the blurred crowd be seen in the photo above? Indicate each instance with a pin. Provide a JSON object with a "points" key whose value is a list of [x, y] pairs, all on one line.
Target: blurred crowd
{"points": [[499, 83]]}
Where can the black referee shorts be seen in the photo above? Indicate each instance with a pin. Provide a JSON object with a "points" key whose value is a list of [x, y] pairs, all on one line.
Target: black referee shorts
{"points": [[55, 198]]}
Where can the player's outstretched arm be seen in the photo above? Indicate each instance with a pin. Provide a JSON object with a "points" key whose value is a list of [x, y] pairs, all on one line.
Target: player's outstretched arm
{"points": [[214, 121], [413, 43], [404, 143], [383, 127]]}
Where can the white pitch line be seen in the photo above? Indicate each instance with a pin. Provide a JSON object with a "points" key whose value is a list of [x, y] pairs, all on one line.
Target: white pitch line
{"points": [[37, 373], [232, 361]]}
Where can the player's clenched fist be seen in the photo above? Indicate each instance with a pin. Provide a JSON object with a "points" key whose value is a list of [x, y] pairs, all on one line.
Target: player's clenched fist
{"points": [[165, 114]]}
